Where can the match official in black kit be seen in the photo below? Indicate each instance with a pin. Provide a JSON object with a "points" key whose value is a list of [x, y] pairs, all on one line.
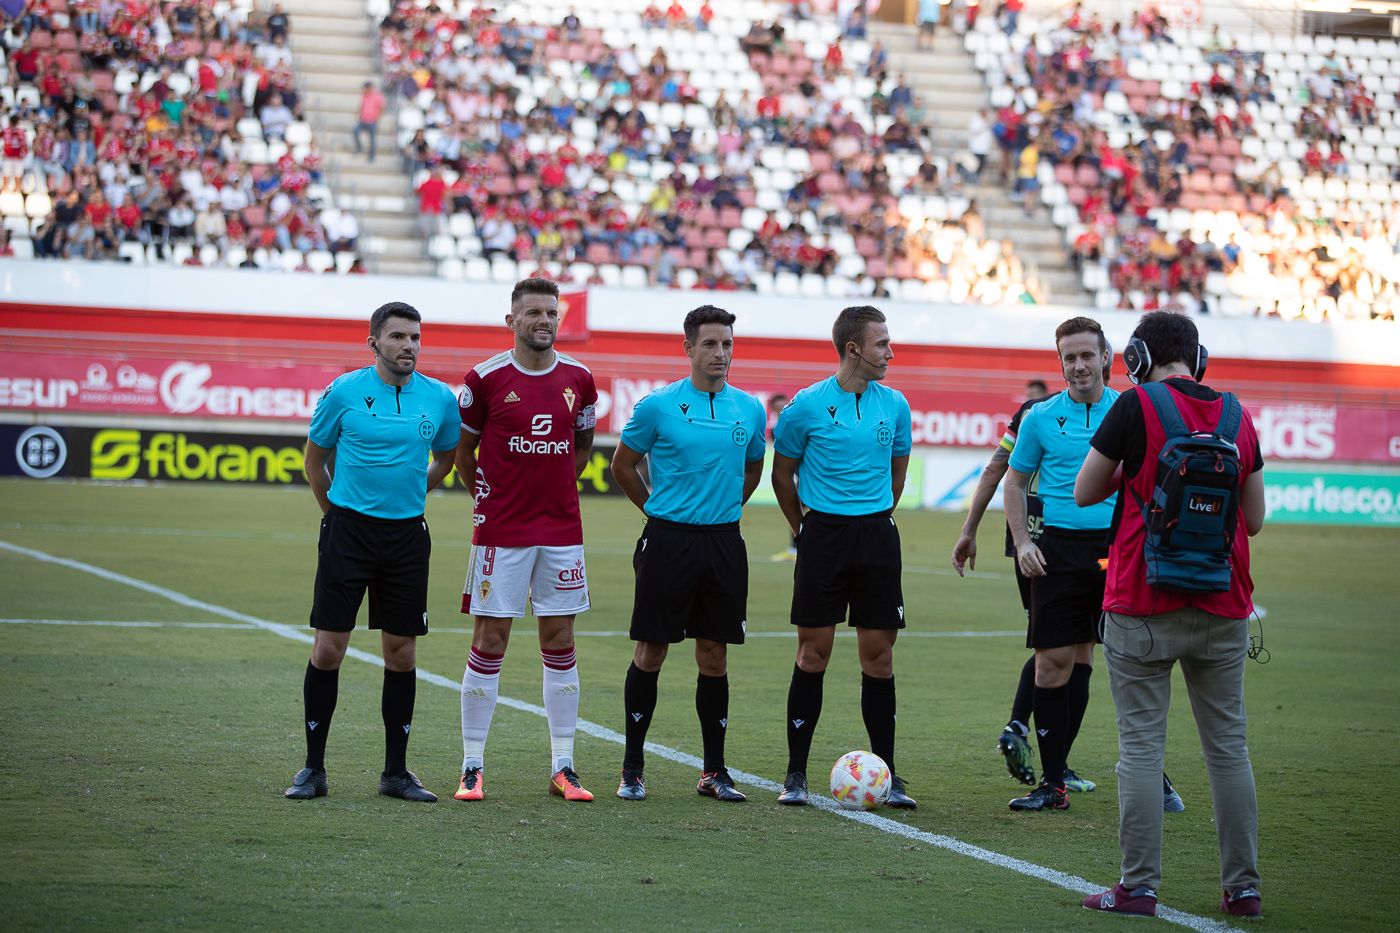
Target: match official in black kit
{"points": [[705, 441]]}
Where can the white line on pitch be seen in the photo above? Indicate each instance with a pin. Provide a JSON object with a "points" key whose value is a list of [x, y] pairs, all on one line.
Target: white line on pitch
{"points": [[1061, 879], [110, 623]]}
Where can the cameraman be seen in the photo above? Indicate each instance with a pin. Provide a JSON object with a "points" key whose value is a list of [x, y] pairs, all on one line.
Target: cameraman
{"points": [[1147, 629]]}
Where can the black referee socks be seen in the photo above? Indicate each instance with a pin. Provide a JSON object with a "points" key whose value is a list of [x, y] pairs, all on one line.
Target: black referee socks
{"points": [[877, 708], [1025, 694], [319, 691], [396, 705], [712, 706], [1078, 687], [639, 704], [803, 710], [1052, 731]]}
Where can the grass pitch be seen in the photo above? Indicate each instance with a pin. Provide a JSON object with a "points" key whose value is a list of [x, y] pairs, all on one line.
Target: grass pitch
{"points": [[144, 765]]}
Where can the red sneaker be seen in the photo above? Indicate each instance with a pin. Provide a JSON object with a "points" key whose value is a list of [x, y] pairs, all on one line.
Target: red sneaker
{"points": [[1244, 903], [1140, 902]]}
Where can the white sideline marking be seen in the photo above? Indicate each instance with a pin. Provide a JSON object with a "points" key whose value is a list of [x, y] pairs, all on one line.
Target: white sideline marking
{"points": [[109, 623], [1069, 882]]}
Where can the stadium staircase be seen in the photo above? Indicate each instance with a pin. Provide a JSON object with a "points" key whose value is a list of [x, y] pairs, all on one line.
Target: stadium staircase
{"points": [[952, 90], [335, 53]]}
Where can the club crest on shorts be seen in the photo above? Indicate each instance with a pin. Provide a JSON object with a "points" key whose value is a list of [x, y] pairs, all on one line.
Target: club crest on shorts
{"points": [[569, 397], [485, 589]]}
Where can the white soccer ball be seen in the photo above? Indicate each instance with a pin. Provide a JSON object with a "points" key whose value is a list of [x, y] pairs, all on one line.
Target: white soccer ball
{"points": [[860, 781]]}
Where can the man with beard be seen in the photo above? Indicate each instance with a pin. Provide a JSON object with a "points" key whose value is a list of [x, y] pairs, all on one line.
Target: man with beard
{"points": [[380, 423], [527, 431]]}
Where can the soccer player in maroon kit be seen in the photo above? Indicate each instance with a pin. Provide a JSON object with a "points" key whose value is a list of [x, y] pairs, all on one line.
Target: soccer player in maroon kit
{"points": [[527, 432]]}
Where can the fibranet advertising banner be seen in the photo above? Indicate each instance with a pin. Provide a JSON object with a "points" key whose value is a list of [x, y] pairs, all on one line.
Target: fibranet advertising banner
{"points": [[123, 454]]}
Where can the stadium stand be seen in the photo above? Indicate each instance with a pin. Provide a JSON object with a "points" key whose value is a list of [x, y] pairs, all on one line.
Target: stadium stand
{"points": [[724, 148], [172, 131], [1233, 174]]}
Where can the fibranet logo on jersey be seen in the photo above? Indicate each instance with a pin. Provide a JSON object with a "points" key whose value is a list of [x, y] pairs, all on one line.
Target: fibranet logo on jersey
{"points": [[540, 426], [523, 445]]}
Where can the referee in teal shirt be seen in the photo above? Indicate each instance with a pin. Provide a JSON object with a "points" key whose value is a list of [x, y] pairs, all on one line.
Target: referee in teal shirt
{"points": [[383, 423], [841, 451], [705, 442], [1065, 565]]}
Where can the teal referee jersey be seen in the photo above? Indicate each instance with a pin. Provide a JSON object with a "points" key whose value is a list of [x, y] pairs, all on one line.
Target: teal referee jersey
{"points": [[845, 442], [698, 444], [383, 435], [1054, 439]]}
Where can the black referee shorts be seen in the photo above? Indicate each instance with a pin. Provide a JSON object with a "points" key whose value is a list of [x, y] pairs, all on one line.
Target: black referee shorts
{"points": [[848, 561], [1066, 603], [389, 557], [692, 581]]}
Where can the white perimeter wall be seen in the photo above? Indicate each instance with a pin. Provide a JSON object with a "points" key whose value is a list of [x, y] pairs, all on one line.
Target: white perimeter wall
{"points": [[105, 285]]}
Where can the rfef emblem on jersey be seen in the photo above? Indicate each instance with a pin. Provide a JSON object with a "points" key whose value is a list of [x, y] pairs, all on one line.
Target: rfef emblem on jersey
{"points": [[740, 435], [425, 429], [569, 397], [883, 435]]}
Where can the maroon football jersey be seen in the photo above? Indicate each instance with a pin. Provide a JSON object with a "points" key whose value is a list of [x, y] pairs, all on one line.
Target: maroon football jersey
{"points": [[526, 492]]}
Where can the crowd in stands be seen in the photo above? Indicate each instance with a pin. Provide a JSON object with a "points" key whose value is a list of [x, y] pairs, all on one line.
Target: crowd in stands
{"points": [[160, 130], [1239, 187], [554, 143]]}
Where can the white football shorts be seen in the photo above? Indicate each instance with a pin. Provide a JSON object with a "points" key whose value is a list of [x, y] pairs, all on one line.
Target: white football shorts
{"points": [[501, 578]]}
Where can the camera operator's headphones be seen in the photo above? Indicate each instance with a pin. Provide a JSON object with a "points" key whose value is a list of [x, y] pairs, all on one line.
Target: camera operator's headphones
{"points": [[1138, 360]]}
